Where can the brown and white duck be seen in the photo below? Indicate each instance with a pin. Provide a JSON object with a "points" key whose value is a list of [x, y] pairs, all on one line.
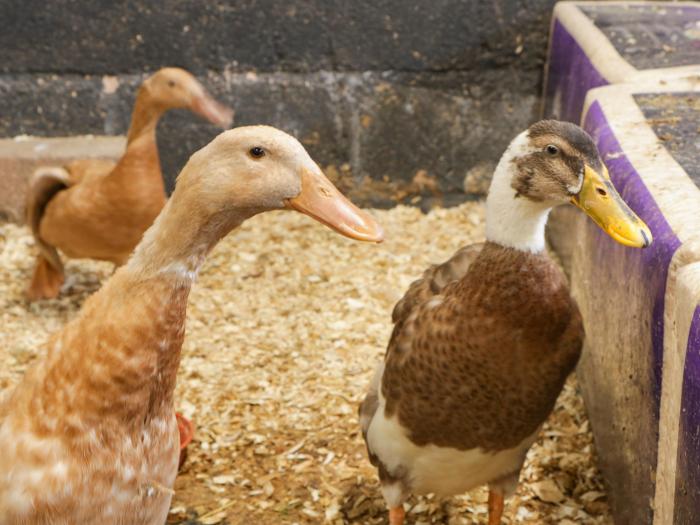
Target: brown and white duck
{"points": [[98, 209], [89, 435], [483, 343]]}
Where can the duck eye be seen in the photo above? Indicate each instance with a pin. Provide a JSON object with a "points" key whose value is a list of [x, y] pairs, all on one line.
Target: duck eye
{"points": [[257, 152], [552, 149]]}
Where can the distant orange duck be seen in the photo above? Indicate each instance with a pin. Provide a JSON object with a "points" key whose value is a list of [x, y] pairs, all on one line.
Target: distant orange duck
{"points": [[99, 209], [90, 435]]}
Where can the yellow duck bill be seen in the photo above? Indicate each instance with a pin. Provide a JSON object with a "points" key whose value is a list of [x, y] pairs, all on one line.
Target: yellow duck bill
{"points": [[601, 202]]}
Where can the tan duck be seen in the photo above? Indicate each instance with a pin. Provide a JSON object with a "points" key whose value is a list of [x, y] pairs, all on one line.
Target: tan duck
{"points": [[483, 343], [89, 435], [98, 209]]}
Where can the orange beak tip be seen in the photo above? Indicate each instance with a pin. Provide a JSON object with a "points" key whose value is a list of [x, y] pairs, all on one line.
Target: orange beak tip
{"points": [[213, 111], [378, 235], [322, 201], [226, 118]]}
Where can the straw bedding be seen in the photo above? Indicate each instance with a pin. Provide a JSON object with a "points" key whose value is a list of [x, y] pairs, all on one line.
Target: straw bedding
{"points": [[286, 324]]}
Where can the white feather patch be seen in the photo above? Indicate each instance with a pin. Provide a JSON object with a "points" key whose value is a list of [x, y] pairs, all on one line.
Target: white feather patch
{"points": [[431, 469], [577, 188], [393, 494], [514, 221]]}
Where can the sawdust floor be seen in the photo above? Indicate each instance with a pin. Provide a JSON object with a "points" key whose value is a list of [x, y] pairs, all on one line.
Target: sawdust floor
{"points": [[285, 327]]}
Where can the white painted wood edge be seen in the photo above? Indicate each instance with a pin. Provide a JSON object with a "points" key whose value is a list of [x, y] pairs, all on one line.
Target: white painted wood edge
{"points": [[78, 146], [681, 300], [593, 41]]}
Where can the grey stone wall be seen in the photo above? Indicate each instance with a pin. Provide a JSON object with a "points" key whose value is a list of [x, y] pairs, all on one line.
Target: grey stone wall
{"points": [[396, 98]]}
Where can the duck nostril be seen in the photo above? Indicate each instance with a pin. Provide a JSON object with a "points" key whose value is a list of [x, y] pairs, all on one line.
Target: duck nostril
{"points": [[646, 239], [601, 191]]}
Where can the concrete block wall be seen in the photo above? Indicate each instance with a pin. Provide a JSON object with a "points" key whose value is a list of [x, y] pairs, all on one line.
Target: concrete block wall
{"points": [[381, 92], [639, 369]]}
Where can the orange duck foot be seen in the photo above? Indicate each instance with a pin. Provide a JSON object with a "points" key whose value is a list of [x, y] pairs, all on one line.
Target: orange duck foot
{"points": [[46, 281], [495, 507], [186, 429], [396, 515]]}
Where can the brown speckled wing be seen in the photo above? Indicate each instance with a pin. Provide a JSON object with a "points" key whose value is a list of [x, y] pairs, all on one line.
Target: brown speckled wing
{"points": [[434, 279], [481, 362], [431, 283]]}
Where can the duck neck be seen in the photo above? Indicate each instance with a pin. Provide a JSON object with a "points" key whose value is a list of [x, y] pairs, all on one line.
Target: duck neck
{"points": [[512, 220], [177, 243], [145, 304], [122, 352], [144, 118]]}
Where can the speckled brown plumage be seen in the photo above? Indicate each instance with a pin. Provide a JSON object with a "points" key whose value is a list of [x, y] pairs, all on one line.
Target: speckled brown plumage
{"points": [[431, 283], [482, 345], [480, 364], [434, 279], [576, 141], [90, 433]]}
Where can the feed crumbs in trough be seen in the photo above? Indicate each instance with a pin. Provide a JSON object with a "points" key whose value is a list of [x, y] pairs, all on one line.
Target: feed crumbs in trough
{"points": [[285, 327]]}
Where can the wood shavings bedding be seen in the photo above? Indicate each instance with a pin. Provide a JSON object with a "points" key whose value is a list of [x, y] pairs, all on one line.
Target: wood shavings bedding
{"points": [[286, 325]]}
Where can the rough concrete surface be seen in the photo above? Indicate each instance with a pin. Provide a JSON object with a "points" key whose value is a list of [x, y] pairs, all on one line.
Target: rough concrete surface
{"points": [[267, 35], [650, 36], [675, 119]]}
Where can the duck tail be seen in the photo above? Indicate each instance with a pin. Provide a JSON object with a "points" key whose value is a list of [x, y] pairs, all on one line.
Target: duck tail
{"points": [[48, 272]]}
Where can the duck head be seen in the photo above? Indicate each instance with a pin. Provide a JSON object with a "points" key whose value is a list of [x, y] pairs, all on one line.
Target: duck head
{"points": [[175, 88], [554, 163], [259, 168]]}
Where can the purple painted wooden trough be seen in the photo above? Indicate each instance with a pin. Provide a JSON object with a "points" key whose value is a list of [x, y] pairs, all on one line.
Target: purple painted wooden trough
{"points": [[640, 372]]}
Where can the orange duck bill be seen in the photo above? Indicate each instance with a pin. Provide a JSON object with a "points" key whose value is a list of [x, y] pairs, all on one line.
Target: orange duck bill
{"points": [[210, 109], [322, 201]]}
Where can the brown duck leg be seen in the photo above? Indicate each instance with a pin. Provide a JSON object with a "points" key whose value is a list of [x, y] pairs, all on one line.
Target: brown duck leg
{"points": [[495, 506], [46, 281], [396, 515]]}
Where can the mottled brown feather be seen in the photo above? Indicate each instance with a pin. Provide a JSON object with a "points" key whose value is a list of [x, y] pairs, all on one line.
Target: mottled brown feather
{"points": [[89, 435], [100, 405], [434, 279], [431, 283], [482, 363]]}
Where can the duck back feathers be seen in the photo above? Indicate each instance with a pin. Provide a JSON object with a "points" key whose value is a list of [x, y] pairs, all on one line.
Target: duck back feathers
{"points": [[481, 363]]}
